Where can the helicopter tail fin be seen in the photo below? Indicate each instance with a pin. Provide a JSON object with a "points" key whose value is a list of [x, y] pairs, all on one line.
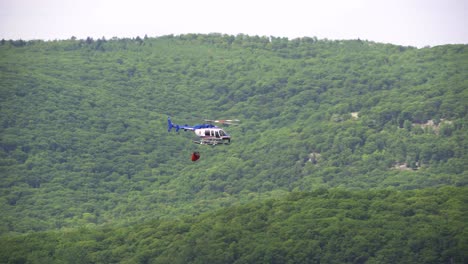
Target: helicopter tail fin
{"points": [[170, 125]]}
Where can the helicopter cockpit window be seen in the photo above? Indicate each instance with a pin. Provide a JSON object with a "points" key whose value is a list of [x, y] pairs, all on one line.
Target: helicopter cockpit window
{"points": [[221, 133], [217, 134]]}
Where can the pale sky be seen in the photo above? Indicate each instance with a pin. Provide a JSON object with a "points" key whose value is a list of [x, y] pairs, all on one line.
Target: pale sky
{"points": [[416, 23]]}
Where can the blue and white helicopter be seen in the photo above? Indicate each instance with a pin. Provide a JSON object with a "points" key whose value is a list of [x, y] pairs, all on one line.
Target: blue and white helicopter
{"points": [[208, 134]]}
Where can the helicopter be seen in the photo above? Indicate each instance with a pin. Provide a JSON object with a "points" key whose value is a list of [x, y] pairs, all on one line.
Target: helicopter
{"points": [[208, 134]]}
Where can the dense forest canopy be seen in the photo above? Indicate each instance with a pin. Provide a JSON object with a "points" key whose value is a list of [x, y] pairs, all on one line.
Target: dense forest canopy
{"points": [[84, 142], [335, 226]]}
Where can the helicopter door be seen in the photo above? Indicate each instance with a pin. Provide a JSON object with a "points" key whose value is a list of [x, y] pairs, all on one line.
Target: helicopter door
{"points": [[217, 133]]}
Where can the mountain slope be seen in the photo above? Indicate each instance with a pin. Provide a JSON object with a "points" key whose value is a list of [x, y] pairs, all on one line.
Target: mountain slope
{"points": [[84, 138], [323, 226]]}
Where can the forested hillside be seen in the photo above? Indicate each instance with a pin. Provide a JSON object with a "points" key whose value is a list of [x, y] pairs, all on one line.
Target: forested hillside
{"points": [[336, 226], [84, 142]]}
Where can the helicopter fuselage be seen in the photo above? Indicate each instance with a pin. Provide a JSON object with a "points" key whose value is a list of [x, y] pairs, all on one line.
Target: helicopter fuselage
{"points": [[208, 134], [212, 135]]}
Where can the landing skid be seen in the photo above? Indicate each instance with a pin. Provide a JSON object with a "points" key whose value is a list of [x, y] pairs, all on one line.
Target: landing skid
{"points": [[212, 141]]}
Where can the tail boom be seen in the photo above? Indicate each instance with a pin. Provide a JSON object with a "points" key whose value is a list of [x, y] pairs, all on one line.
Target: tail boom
{"points": [[170, 126]]}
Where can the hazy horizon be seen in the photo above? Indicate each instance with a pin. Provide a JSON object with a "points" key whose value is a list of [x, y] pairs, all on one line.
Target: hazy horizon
{"points": [[410, 23]]}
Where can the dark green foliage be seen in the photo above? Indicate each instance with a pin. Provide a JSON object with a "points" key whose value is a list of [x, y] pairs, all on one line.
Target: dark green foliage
{"points": [[84, 143], [334, 226]]}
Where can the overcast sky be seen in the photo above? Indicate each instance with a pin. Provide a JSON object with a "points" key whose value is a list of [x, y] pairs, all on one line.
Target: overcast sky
{"points": [[404, 22]]}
